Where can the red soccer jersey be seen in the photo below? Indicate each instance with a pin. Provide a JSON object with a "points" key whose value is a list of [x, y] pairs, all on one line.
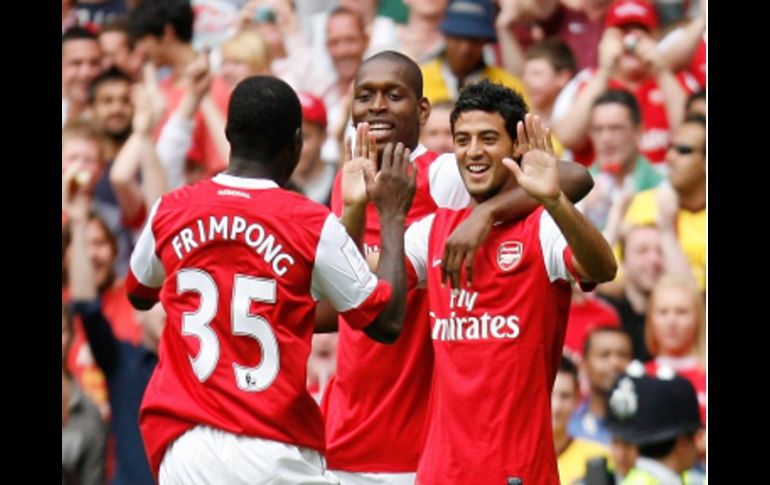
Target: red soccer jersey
{"points": [[240, 264], [376, 405], [497, 347]]}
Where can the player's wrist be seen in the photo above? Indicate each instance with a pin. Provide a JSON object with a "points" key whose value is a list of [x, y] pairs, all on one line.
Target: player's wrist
{"points": [[394, 216], [554, 204]]}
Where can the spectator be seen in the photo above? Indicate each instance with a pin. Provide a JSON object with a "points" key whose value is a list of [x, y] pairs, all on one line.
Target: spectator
{"points": [[642, 264], [291, 56], [138, 158], [162, 29], [586, 312], [244, 55], [666, 439], [619, 167], [468, 26], [83, 434], [436, 134], [572, 453], [607, 353], [676, 333], [112, 110], [346, 42], [380, 31], [684, 48], [126, 364], [119, 51], [523, 23], [80, 64], [313, 177], [630, 60], [686, 161], [420, 38], [548, 68]]}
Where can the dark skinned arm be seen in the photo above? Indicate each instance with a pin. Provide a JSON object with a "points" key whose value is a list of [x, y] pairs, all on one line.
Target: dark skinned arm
{"points": [[392, 191], [325, 317], [352, 192], [462, 244], [354, 189]]}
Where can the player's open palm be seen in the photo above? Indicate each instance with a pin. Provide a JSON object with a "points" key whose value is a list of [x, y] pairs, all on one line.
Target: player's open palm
{"points": [[362, 158], [538, 173], [392, 188]]}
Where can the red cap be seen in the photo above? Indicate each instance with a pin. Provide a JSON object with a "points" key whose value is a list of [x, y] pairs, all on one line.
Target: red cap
{"points": [[313, 110], [624, 12]]}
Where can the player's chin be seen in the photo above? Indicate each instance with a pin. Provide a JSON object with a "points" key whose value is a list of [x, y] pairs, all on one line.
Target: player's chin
{"points": [[478, 190]]}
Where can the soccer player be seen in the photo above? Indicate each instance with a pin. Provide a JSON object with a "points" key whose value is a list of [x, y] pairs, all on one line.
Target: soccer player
{"points": [[375, 407], [239, 264], [497, 344]]}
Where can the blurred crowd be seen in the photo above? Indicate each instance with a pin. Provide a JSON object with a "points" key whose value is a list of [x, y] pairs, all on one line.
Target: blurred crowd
{"points": [[621, 83]]}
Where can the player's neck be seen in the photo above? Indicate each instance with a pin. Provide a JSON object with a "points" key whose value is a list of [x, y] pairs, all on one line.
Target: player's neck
{"points": [[239, 167]]}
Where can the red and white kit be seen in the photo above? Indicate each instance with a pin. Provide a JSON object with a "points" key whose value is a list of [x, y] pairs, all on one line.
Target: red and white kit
{"points": [[375, 406], [240, 284], [497, 347]]}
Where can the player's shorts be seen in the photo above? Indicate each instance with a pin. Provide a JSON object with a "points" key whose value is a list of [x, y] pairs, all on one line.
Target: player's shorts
{"points": [[205, 455], [348, 478]]}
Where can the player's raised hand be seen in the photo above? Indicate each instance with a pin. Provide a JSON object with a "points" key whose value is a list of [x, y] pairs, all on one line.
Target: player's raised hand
{"points": [[538, 174], [392, 188], [358, 161]]}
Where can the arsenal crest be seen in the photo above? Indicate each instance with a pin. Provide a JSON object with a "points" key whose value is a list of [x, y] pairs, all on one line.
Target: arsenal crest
{"points": [[509, 254]]}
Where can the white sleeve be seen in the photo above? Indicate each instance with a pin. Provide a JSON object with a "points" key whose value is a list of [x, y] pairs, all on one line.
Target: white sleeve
{"points": [[553, 244], [340, 273], [145, 264], [567, 96], [173, 144], [416, 245], [446, 184], [670, 39]]}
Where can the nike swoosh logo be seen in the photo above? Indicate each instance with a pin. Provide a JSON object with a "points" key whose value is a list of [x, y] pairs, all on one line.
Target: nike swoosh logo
{"points": [[436, 262]]}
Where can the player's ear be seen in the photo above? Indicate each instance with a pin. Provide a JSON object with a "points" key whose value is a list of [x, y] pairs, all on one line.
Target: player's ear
{"points": [[424, 110]]}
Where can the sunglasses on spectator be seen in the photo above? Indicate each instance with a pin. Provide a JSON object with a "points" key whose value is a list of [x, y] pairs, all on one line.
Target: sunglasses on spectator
{"points": [[683, 149]]}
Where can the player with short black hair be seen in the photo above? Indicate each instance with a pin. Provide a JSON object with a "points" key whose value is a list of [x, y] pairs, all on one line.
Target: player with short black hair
{"points": [[239, 264]]}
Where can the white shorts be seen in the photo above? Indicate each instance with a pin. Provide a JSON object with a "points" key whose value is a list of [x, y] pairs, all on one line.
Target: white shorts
{"points": [[206, 455], [348, 478]]}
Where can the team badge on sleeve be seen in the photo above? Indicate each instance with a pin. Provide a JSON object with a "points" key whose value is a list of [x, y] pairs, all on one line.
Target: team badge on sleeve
{"points": [[509, 254]]}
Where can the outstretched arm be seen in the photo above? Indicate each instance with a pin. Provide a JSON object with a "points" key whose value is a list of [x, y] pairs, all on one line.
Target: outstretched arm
{"points": [[592, 257]]}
